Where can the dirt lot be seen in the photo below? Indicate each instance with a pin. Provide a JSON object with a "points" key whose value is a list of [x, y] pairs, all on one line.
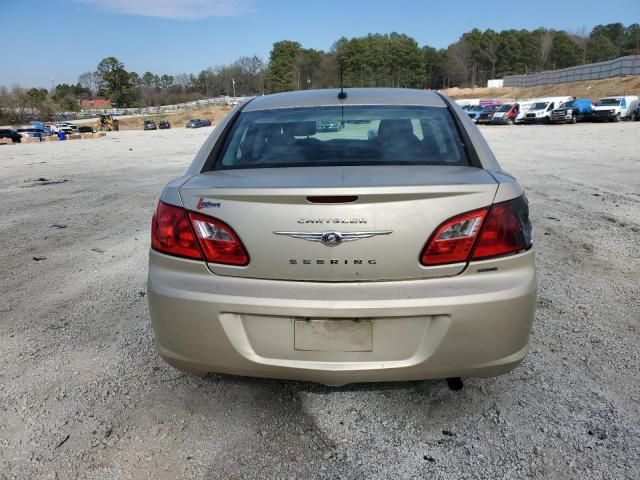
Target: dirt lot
{"points": [[594, 89], [84, 395]]}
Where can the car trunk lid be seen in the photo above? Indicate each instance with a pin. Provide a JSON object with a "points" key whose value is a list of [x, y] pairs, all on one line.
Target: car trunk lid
{"points": [[378, 232]]}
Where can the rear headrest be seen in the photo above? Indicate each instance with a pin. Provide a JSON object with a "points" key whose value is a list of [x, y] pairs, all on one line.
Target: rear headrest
{"points": [[394, 127], [300, 129]]}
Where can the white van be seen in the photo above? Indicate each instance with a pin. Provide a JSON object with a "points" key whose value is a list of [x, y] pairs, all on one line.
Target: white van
{"points": [[468, 102], [615, 108], [541, 109], [524, 108]]}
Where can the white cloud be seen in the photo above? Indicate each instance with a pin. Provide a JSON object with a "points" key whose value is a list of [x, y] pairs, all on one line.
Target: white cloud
{"points": [[182, 9]]}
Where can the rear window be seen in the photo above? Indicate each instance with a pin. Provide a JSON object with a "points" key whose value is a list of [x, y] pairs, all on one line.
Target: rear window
{"points": [[354, 135]]}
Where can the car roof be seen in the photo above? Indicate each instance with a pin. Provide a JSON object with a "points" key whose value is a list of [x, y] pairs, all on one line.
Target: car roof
{"points": [[355, 96]]}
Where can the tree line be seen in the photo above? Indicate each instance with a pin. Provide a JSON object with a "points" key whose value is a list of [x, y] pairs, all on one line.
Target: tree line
{"points": [[375, 60]]}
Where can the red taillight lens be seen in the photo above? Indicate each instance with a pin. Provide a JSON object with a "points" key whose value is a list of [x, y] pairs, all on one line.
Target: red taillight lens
{"points": [[188, 234], [171, 233], [502, 229], [454, 239], [218, 241], [506, 230]]}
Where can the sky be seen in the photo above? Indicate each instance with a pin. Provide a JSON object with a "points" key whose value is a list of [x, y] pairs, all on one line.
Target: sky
{"points": [[54, 41]]}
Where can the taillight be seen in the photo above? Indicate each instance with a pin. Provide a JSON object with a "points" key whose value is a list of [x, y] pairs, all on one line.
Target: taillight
{"points": [[506, 230], [454, 239], [502, 229], [171, 233], [219, 242], [175, 231]]}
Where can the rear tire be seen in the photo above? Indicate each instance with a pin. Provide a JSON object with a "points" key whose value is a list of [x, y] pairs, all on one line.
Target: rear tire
{"points": [[455, 383]]}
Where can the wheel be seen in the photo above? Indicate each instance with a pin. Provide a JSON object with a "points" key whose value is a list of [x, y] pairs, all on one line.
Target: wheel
{"points": [[574, 119], [509, 121], [455, 383], [617, 118]]}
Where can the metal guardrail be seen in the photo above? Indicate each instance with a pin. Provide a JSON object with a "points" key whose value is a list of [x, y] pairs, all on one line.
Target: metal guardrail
{"points": [[629, 65], [167, 108]]}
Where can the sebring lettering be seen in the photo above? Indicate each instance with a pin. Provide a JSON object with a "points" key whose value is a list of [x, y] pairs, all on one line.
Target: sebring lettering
{"points": [[332, 220], [321, 261]]}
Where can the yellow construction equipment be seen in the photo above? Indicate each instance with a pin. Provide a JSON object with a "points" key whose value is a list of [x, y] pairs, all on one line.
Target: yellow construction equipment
{"points": [[107, 123]]}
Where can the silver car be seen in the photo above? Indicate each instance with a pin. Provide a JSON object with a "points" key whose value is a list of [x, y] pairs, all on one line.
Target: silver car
{"points": [[391, 248]]}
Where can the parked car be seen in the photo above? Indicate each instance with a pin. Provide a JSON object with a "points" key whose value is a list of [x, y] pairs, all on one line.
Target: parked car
{"points": [[615, 108], [328, 125], [485, 117], [474, 112], [636, 116], [85, 129], [67, 128], [573, 111], [33, 132], [372, 260], [150, 125], [506, 114], [9, 133], [164, 124], [467, 103], [197, 123], [41, 126]]}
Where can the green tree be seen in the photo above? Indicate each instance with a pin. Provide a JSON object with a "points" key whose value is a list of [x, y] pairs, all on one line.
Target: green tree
{"points": [[614, 32], [281, 74], [115, 82], [564, 51], [148, 79], [632, 40], [135, 79], [166, 81], [35, 97], [434, 66], [601, 48]]}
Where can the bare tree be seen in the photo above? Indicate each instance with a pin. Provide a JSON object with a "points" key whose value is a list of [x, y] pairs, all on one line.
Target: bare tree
{"points": [[545, 47]]}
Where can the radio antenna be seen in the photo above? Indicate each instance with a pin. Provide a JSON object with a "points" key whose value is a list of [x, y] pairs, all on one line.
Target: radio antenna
{"points": [[342, 95]]}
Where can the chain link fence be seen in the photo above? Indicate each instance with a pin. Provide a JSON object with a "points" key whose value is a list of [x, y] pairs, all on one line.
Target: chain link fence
{"points": [[629, 65]]}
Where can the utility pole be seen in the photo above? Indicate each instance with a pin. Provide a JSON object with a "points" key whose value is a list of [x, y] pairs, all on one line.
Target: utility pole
{"points": [[233, 82]]}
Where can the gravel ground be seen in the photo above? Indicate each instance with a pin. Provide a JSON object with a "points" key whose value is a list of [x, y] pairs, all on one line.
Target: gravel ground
{"points": [[84, 395]]}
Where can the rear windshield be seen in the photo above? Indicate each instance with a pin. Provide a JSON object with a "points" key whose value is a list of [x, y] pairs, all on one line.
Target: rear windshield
{"points": [[539, 106], [609, 102], [354, 135]]}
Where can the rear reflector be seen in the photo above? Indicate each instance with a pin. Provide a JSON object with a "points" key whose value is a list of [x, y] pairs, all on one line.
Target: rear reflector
{"points": [[506, 230], [454, 239], [218, 241], [177, 232], [502, 229]]}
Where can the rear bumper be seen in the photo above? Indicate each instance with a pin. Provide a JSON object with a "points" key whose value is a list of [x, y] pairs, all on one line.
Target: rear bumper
{"points": [[500, 120], [561, 119], [473, 324], [532, 120], [604, 117]]}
